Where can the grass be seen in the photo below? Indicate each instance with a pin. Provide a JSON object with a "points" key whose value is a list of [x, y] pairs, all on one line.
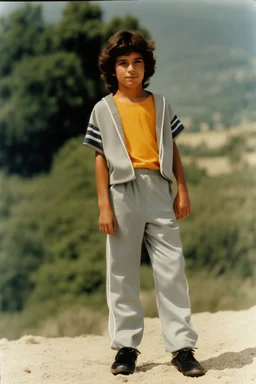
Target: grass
{"points": [[88, 315], [72, 321], [207, 293], [214, 139], [210, 294]]}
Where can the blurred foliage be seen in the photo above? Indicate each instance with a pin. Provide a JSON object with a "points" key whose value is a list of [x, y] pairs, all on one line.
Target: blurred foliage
{"points": [[61, 205], [19, 36], [127, 22], [222, 293], [234, 148], [50, 81], [44, 109], [51, 247], [194, 175], [220, 234]]}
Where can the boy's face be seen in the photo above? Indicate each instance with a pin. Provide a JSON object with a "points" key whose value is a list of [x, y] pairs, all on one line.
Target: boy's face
{"points": [[130, 70]]}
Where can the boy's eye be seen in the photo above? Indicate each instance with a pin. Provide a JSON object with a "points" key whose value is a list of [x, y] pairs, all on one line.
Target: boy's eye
{"points": [[126, 63]]}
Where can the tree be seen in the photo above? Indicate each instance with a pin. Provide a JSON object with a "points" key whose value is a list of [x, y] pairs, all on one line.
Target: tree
{"points": [[19, 36], [49, 89], [22, 251], [128, 22], [51, 223], [81, 31], [45, 108], [235, 148]]}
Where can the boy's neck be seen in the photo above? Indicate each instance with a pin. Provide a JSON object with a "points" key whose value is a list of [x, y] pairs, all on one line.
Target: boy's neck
{"points": [[132, 94]]}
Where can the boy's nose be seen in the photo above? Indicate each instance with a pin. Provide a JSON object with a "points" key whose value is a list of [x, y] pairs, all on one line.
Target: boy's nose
{"points": [[130, 67]]}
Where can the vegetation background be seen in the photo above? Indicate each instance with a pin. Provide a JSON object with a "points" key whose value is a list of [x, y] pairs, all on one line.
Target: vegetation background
{"points": [[52, 262]]}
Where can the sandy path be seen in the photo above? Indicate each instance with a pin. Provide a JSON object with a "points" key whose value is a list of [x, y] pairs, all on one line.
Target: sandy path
{"points": [[226, 347]]}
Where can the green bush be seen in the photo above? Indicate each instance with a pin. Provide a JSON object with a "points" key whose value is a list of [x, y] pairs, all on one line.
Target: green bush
{"points": [[52, 220], [50, 236], [220, 234], [194, 174]]}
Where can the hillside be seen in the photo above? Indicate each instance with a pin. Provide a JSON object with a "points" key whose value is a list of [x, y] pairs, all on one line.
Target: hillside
{"points": [[205, 57], [205, 54], [214, 139]]}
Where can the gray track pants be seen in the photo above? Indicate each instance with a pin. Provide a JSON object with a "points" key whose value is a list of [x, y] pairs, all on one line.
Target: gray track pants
{"points": [[144, 208]]}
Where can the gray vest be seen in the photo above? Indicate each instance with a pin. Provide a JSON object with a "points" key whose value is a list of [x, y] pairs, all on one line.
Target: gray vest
{"points": [[105, 134]]}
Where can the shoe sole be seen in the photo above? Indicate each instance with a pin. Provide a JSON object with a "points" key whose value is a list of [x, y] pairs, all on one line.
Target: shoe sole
{"points": [[121, 370], [193, 373]]}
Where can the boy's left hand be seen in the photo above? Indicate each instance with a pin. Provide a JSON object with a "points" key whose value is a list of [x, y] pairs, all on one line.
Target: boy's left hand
{"points": [[181, 205]]}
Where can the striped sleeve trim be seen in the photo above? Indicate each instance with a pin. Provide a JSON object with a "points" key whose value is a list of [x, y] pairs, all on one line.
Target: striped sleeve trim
{"points": [[93, 138], [177, 127]]}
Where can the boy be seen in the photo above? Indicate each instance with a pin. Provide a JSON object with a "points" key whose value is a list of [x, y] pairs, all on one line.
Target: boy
{"points": [[133, 132]]}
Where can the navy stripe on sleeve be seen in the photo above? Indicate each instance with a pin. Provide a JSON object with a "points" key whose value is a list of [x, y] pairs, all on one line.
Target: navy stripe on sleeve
{"points": [[178, 131], [177, 127], [92, 143], [93, 127], [93, 133], [93, 137], [174, 118]]}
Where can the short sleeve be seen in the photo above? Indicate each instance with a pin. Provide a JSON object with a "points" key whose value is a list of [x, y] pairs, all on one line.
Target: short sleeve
{"points": [[176, 125], [93, 137]]}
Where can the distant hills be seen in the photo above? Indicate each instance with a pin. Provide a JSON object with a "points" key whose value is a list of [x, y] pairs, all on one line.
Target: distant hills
{"points": [[206, 54]]}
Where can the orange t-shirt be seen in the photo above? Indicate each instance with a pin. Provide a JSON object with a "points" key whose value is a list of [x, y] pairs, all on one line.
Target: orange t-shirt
{"points": [[139, 125]]}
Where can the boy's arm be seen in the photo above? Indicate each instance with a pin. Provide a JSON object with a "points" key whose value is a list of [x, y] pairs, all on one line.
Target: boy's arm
{"points": [[107, 221], [181, 203]]}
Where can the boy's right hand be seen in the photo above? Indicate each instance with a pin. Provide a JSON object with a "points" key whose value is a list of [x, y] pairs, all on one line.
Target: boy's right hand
{"points": [[107, 220]]}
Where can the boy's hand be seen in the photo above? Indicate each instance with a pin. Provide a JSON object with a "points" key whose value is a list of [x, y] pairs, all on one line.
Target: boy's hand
{"points": [[107, 220], [181, 205]]}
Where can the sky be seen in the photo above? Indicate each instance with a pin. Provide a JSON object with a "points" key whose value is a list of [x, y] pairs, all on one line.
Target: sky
{"points": [[108, 7], [8, 6]]}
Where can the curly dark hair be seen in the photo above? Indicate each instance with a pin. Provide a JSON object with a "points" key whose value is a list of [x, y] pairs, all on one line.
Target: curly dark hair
{"points": [[123, 43]]}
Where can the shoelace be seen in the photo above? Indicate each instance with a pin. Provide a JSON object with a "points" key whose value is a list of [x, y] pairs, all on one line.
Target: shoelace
{"points": [[186, 354], [128, 351]]}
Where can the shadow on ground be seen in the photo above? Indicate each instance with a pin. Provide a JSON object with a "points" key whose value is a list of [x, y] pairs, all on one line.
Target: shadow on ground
{"points": [[230, 360], [146, 367], [227, 360]]}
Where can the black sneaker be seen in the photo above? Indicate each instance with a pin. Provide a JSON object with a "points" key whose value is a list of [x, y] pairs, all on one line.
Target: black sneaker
{"points": [[186, 363], [125, 361]]}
